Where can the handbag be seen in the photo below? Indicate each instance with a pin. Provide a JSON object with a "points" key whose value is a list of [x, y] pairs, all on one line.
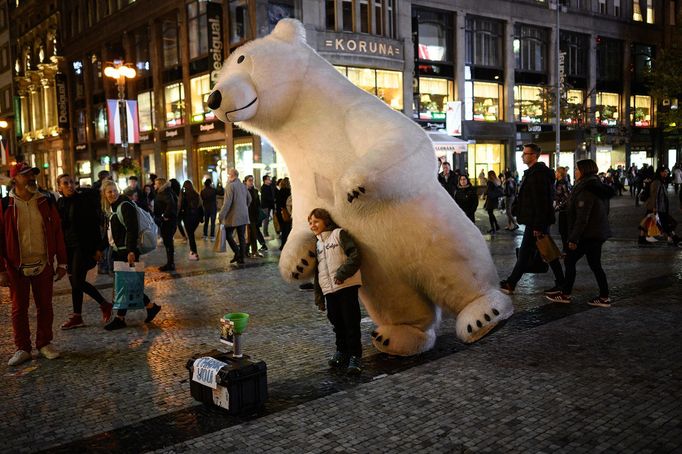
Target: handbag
{"points": [[128, 285], [650, 225], [220, 240], [535, 264], [547, 248], [286, 216]]}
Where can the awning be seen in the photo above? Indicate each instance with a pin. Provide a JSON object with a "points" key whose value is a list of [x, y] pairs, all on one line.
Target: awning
{"points": [[445, 144]]}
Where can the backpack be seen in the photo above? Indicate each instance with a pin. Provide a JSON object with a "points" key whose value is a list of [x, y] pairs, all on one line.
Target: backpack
{"points": [[644, 195], [148, 231]]}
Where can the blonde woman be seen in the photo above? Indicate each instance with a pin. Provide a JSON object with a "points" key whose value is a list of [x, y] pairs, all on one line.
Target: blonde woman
{"points": [[124, 236]]}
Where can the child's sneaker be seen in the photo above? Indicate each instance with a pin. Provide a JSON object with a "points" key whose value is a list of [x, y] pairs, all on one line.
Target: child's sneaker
{"points": [[559, 298], [600, 301], [338, 359], [354, 366]]}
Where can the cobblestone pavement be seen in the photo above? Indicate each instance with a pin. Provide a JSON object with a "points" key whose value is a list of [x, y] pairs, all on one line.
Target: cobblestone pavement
{"points": [[555, 378]]}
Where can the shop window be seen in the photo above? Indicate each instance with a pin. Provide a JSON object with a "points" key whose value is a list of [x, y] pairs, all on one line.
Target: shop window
{"points": [[198, 29], [386, 85], [434, 95], [378, 17], [200, 88], [174, 95], [483, 42], [240, 23], [145, 110], [364, 16], [574, 112], [81, 130], [243, 158], [37, 122], [640, 111], [101, 125], [609, 59], [483, 157], [169, 33], [330, 14], [484, 101], [575, 47], [529, 106], [530, 48], [50, 105], [347, 15], [176, 165], [434, 33], [607, 108], [213, 163], [642, 56], [141, 49], [637, 11]]}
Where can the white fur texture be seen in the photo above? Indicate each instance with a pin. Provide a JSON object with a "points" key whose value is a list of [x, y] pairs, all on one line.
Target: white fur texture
{"points": [[375, 171]]}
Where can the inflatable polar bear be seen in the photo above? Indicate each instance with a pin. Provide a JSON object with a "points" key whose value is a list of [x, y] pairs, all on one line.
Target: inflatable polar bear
{"points": [[375, 171]]}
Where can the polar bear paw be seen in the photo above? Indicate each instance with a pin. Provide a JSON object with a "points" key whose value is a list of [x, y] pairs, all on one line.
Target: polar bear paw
{"points": [[296, 268], [483, 314], [402, 340]]}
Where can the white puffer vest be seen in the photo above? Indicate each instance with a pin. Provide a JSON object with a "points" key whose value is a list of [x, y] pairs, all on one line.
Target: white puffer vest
{"points": [[330, 256]]}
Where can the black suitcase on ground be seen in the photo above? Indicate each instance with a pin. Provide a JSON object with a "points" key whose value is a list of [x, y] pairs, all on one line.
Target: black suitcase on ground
{"points": [[242, 384]]}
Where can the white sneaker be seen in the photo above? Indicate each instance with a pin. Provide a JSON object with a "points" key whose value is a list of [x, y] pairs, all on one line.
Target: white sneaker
{"points": [[19, 357], [49, 352], [193, 256]]}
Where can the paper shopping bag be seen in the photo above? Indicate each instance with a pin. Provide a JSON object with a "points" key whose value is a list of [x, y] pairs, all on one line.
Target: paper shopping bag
{"points": [[128, 285], [651, 225], [548, 248], [220, 240]]}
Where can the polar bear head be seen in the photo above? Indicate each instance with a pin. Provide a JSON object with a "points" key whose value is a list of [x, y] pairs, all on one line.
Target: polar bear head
{"points": [[260, 81]]}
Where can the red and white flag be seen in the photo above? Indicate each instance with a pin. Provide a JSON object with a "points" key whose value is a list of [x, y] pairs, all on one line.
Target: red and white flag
{"points": [[114, 119], [132, 122]]}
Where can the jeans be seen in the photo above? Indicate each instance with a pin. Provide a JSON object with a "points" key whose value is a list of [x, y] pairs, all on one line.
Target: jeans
{"points": [[255, 237], [167, 230], [239, 250], [494, 226], [191, 225], [19, 290], [209, 216], [343, 311], [592, 250], [78, 265], [526, 251]]}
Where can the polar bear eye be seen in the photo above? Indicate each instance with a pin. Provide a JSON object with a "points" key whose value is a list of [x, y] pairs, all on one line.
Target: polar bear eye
{"points": [[240, 59]]}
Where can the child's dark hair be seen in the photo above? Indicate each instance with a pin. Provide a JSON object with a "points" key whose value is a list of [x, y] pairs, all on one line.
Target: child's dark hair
{"points": [[321, 213]]}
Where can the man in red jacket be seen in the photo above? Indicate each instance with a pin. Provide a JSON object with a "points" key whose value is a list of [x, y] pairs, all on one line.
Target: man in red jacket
{"points": [[30, 239]]}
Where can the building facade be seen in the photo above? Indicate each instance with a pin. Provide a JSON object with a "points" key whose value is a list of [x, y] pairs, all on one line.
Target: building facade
{"points": [[484, 72]]}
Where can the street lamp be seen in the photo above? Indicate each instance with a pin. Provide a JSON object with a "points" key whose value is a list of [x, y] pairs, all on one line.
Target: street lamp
{"points": [[121, 71]]}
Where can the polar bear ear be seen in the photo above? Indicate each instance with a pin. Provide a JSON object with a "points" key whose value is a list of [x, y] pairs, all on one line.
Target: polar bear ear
{"points": [[289, 30]]}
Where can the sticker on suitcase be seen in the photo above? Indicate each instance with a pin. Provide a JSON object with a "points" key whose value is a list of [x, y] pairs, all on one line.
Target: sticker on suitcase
{"points": [[221, 397], [206, 371]]}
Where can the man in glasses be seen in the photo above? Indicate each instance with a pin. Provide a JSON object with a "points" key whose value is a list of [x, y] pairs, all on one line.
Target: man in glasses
{"points": [[534, 209]]}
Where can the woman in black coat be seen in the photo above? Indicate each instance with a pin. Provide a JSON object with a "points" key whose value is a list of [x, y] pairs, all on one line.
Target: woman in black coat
{"points": [[80, 216], [281, 207], [588, 229], [493, 192], [466, 197], [191, 214]]}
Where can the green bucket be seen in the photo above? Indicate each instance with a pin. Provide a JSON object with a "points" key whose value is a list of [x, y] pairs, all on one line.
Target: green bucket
{"points": [[240, 320]]}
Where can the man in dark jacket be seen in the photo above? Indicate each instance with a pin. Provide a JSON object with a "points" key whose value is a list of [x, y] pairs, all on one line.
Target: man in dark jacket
{"points": [[80, 215], [210, 202], [267, 201], [166, 217], [448, 179], [534, 208]]}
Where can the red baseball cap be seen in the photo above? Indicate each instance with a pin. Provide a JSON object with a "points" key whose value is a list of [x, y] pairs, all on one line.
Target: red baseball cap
{"points": [[22, 168]]}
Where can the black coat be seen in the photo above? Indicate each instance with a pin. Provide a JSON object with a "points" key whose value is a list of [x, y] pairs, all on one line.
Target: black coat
{"points": [[534, 204], [588, 210], [209, 199], [166, 204], [81, 218], [467, 199], [125, 234], [450, 184], [267, 196], [254, 207]]}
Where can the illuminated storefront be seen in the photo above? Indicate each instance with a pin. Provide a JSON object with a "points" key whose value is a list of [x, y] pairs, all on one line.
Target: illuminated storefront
{"points": [[485, 157], [640, 111], [607, 108], [386, 85], [434, 94], [575, 109], [176, 165], [528, 104]]}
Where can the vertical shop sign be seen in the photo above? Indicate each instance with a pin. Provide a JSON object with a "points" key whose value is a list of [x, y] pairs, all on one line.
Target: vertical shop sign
{"points": [[214, 14], [62, 101], [453, 118], [17, 112]]}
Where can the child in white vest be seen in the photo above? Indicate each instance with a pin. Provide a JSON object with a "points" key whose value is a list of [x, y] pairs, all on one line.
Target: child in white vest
{"points": [[337, 281]]}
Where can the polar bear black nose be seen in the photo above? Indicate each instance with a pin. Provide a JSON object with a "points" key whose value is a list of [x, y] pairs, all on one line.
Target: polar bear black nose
{"points": [[215, 99]]}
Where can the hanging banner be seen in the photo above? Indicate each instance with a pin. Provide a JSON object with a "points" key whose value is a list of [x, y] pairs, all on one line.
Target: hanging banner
{"points": [[114, 120], [133, 123], [62, 101], [214, 15], [453, 118]]}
